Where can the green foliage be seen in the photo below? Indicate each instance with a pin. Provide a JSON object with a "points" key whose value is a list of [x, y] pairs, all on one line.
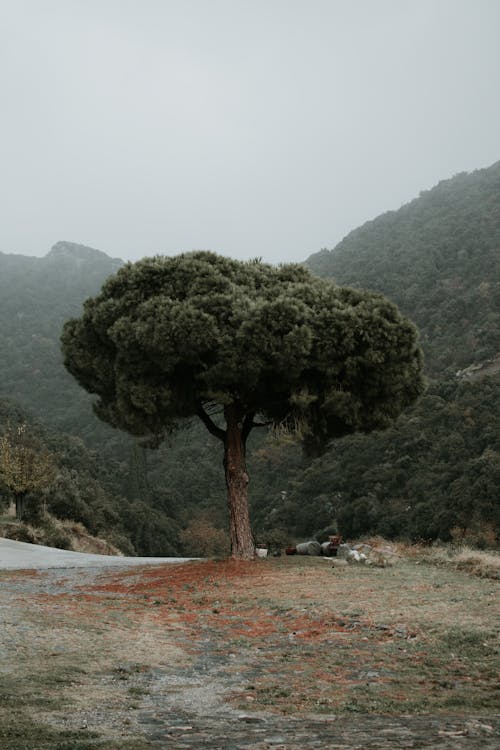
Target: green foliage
{"points": [[87, 489], [438, 259], [434, 473], [36, 296], [167, 336]]}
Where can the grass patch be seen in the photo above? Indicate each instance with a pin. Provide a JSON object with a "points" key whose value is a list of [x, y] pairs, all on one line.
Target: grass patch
{"points": [[19, 732], [484, 564], [289, 635]]}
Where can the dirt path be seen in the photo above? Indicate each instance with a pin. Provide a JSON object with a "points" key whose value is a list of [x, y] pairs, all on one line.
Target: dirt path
{"points": [[226, 657]]}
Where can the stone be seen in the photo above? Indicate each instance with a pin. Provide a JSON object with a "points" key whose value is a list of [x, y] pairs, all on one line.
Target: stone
{"points": [[309, 548], [343, 551], [338, 563]]}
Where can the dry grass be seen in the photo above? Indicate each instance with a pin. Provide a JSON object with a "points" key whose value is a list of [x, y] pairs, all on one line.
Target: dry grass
{"points": [[56, 533], [83, 541], [485, 564], [289, 635]]}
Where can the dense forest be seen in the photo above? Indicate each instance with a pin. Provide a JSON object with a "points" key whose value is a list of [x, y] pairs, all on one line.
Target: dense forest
{"points": [[434, 474]]}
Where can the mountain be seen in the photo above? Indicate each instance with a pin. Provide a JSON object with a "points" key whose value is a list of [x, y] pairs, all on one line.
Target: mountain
{"points": [[438, 259], [137, 498], [435, 473], [36, 296]]}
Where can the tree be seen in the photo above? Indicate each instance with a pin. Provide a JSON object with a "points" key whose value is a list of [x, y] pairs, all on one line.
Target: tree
{"points": [[24, 466], [241, 345]]}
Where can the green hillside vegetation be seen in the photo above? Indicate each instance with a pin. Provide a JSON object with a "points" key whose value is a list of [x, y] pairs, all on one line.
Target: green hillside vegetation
{"points": [[99, 493], [36, 296], [435, 473], [438, 259]]}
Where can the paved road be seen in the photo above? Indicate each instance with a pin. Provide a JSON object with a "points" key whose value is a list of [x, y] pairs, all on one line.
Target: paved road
{"points": [[23, 556]]}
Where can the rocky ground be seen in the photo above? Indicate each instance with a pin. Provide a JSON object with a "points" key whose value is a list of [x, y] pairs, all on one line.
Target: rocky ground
{"points": [[284, 654]]}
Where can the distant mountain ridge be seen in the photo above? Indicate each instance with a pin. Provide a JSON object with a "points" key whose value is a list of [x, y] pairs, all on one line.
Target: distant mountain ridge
{"points": [[62, 250], [438, 259], [75, 251], [36, 296]]}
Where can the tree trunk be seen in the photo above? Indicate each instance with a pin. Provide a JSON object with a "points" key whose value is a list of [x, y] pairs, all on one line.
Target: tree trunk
{"points": [[242, 544], [19, 497]]}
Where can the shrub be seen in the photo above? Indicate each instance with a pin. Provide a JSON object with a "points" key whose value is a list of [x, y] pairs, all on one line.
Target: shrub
{"points": [[55, 536], [21, 532], [202, 539]]}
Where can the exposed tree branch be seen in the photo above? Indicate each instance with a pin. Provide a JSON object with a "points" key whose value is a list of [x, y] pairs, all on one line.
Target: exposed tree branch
{"points": [[212, 407], [218, 432]]}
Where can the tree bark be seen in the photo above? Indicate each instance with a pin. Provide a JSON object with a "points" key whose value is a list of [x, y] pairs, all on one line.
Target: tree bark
{"points": [[242, 544], [19, 498]]}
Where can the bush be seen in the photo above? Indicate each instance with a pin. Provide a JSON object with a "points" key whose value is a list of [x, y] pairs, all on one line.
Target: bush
{"points": [[21, 532], [326, 533], [33, 509], [202, 539], [481, 538], [275, 539], [55, 536]]}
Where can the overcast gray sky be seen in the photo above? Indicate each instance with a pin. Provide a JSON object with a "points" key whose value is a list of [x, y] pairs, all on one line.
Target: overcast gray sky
{"points": [[250, 127]]}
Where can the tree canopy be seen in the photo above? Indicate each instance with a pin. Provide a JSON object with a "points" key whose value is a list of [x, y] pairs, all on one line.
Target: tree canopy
{"points": [[172, 338], [24, 464]]}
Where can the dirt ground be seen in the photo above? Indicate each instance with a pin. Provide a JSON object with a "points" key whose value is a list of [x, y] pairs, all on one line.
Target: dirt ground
{"points": [[282, 653]]}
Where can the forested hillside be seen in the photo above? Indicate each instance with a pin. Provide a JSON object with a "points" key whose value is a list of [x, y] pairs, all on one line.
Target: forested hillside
{"points": [[100, 477], [101, 493], [36, 296], [438, 259], [435, 473]]}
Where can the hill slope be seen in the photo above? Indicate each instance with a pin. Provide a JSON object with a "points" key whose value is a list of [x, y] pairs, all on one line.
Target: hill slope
{"points": [[36, 296], [438, 259], [113, 490]]}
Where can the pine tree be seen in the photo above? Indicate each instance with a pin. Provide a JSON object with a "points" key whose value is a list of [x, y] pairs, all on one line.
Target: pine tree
{"points": [[241, 345]]}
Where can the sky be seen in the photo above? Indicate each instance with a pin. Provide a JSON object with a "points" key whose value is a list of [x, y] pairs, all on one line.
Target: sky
{"points": [[254, 128]]}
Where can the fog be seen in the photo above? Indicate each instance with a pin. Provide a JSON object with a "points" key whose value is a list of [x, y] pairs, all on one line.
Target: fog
{"points": [[250, 127]]}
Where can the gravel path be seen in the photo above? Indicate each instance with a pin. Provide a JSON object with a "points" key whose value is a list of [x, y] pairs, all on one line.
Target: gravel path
{"points": [[179, 701]]}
